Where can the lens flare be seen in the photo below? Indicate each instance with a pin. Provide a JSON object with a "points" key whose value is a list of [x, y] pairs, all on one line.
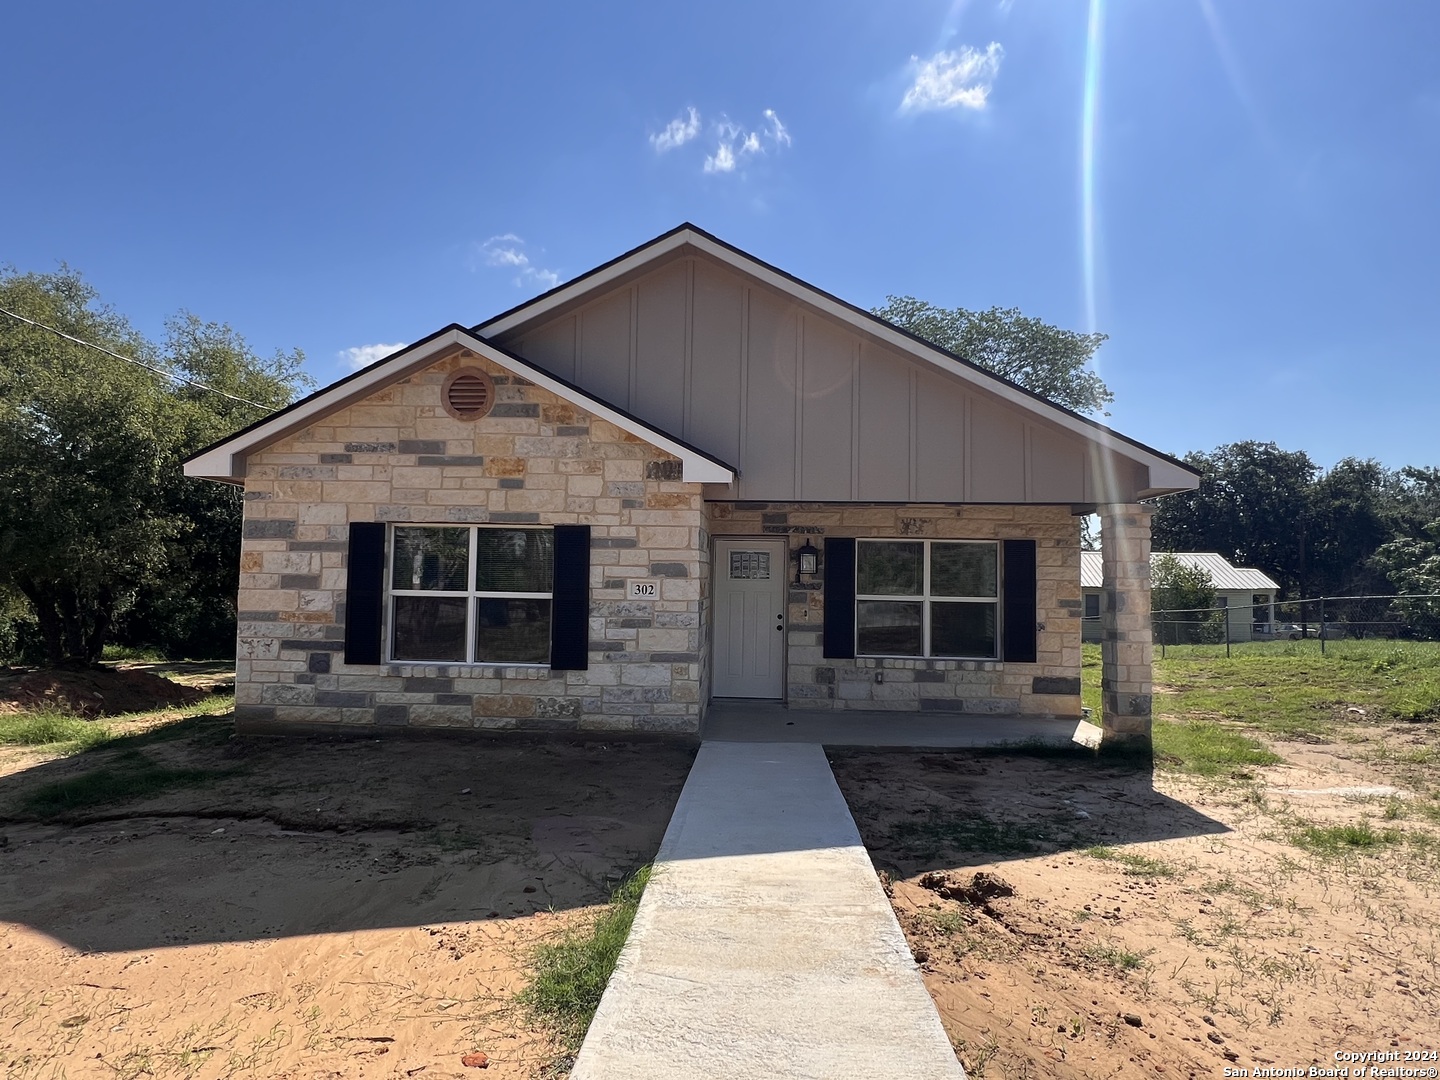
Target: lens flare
{"points": [[1089, 107]]}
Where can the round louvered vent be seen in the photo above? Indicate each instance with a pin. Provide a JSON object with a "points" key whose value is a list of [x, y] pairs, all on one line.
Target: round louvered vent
{"points": [[468, 394]]}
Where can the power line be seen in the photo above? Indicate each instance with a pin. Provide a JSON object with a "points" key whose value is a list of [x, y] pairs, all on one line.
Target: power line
{"points": [[137, 363]]}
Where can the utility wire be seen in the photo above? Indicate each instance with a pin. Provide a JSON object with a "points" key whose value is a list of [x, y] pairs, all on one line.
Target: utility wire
{"points": [[137, 363]]}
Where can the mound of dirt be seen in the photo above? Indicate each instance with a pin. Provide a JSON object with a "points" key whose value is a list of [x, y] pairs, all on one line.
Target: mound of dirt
{"points": [[981, 889], [93, 691]]}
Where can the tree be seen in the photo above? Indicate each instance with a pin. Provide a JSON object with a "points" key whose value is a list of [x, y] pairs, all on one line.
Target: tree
{"points": [[94, 509], [1185, 595], [1412, 564], [1052, 362], [1252, 506]]}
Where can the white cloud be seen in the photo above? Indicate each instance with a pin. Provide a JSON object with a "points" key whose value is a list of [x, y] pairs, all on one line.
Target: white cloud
{"points": [[364, 355], [778, 132], [723, 160], [508, 251], [734, 143], [678, 132], [950, 80]]}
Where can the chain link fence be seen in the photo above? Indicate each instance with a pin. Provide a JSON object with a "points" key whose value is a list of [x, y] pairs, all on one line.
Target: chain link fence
{"points": [[1320, 624]]}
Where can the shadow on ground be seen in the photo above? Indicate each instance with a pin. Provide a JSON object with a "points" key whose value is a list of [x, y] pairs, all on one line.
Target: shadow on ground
{"points": [[941, 811], [189, 834]]}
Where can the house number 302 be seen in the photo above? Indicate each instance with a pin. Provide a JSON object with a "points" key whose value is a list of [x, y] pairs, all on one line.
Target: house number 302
{"points": [[643, 590]]}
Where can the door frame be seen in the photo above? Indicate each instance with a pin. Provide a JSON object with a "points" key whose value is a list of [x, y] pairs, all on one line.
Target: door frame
{"points": [[750, 538]]}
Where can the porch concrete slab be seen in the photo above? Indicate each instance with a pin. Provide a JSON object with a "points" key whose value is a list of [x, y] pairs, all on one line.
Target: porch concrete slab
{"points": [[765, 721], [764, 946]]}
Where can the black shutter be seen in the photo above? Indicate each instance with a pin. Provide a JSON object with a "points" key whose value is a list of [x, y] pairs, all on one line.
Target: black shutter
{"points": [[570, 609], [364, 592], [1018, 599], [839, 598]]}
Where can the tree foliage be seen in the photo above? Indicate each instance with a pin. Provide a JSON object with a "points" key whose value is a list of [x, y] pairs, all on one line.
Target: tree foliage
{"points": [[1185, 594], [98, 524], [1048, 360], [1179, 586], [1353, 529]]}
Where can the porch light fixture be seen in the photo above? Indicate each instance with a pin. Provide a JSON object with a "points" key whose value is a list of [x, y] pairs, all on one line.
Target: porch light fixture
{"points": [[807, 561]]}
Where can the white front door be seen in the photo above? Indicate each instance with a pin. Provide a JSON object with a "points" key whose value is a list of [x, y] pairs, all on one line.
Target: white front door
{"points": [[750, 618]]}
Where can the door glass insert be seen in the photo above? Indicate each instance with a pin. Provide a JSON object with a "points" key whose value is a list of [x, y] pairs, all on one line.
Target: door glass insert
{"points": [[750, 564]]}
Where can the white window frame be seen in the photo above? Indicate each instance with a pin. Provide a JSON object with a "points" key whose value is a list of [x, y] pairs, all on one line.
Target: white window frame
{"points": [[926, 599], [470, 595]]}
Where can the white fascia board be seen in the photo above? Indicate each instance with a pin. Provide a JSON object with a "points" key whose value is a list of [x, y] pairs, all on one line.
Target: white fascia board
{"points": [[225, 461], [876, 328], [1168, 479]]}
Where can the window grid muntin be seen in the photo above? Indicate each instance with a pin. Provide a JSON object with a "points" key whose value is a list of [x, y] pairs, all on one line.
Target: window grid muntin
{"points": [[470, 595], [926, 599]]}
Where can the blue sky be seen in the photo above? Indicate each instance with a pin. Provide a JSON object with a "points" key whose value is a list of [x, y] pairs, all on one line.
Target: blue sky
{"points": [[1257, 228]]}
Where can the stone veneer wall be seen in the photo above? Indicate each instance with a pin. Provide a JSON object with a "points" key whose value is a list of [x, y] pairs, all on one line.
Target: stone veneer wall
{"points": [[1049, 687], [399, 457]]}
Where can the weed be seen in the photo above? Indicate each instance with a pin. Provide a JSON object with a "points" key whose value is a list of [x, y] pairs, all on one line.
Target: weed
{"points": [[1135, 865], [1208, 748], [948, 923], [571, 972], [128, 777], [937, 832], [1334, 840], [54, 729], [1115, 956]]}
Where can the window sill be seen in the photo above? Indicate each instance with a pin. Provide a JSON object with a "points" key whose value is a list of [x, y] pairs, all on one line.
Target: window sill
{"points": [[920, 663], [416, 669]]}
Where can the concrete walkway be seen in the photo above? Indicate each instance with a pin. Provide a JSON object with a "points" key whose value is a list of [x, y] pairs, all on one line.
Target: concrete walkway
{"points": [[764, 946]]}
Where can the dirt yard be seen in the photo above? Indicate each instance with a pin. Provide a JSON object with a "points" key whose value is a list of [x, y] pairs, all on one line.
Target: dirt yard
{"points": [[1127, 925], [186, 903]]}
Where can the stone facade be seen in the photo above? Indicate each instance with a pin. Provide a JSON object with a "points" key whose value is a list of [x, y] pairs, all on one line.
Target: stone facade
{"points": [[1048, 687], [1126, 651], [399, 457]]}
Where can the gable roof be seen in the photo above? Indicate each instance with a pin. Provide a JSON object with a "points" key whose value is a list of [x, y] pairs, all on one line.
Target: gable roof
{"points": [[1223, 575], [224, 461], [1167, 473]]}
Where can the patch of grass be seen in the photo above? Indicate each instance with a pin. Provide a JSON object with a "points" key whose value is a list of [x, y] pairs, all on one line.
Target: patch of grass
{"points": [[1207, 748], [142, 653], [571, 973], [948, 923], [129, 776], [1135, 865], [58, 731], [929, 836], [1114, 956], [1340, 839], [52, 728]]}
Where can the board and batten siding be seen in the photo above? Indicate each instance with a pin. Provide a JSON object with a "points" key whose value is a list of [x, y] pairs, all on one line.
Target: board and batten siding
{"points": [[807, 407]]}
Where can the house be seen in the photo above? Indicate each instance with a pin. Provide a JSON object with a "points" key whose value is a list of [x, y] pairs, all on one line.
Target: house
{"points": [[682, 476], [1247, 595]]}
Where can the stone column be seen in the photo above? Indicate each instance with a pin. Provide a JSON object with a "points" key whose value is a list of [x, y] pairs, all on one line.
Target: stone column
{"points": [[1125, 647]]}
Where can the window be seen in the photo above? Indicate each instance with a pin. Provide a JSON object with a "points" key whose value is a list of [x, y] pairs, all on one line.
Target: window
{"points": [[470, 594], [926, 598], [1092, 606]]}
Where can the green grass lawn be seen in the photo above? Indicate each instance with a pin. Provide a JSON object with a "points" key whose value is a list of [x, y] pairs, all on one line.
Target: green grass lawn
{"points": [[1209, 710]]}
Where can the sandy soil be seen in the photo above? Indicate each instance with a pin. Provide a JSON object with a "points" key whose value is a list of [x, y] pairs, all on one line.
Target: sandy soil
{"points": [[309, 908], [1236, 949]]}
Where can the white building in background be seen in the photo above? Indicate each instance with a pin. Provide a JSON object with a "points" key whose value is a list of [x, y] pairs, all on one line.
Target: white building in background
{"points": [[1247, 594]]}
